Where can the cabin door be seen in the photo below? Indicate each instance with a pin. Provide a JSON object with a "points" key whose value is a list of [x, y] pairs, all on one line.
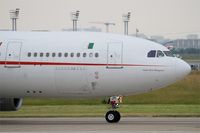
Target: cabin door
{"points": [[115, 55], [13, 53]]}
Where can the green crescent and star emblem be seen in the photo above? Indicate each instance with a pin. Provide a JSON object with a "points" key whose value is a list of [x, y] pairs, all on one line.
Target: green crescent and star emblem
{"points": [[91, 45]]}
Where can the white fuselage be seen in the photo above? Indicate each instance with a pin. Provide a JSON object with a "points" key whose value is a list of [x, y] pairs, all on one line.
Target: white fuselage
{"points": [[85, 64]]}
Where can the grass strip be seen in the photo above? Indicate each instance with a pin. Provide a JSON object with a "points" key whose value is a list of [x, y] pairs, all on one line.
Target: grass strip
{"points": [[149, 110]]}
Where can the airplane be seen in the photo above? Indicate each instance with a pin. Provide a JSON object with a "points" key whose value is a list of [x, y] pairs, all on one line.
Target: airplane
{"points": [[82, 65]]}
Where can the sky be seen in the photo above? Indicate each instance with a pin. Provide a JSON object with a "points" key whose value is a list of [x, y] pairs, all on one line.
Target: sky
{"points": [[170, 18]]}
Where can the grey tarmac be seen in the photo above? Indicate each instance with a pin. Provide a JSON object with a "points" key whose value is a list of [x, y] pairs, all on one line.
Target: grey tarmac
{"points": [[99, 125]]}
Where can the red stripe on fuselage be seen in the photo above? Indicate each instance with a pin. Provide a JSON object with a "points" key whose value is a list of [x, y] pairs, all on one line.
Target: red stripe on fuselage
{"points": [[68, 64]]}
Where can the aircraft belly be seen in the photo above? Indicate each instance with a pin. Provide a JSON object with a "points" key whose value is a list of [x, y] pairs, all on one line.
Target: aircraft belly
{"points": [[93, 81], [108, 82], [42, 81], [28, 81], [71, 80]]}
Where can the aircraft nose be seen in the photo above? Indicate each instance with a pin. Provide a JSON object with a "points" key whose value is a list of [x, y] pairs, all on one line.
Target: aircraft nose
{"points": [[182, 69]]}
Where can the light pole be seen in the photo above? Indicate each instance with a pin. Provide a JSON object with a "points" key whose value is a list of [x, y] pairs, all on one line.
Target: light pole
{"points": [[74, 18], [126, 19], [14, 15]]}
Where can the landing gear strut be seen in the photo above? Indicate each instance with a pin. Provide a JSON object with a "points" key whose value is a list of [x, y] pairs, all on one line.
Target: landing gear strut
{"points": [[113, 116]]}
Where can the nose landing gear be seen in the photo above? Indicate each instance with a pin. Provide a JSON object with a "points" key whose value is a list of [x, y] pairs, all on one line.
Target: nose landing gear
{"points": [[113, 116]]}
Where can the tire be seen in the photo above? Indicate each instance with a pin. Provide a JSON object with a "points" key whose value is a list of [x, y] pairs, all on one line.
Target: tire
{"points": [[118, 116], [112, 116]]}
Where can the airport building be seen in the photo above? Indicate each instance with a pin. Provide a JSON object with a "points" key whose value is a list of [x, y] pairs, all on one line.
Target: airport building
{"points": [[90, 29], [186, 43], [191, 41]]}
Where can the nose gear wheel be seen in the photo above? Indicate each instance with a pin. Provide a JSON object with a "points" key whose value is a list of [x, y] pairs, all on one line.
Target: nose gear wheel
{"points": [[113, 116]]}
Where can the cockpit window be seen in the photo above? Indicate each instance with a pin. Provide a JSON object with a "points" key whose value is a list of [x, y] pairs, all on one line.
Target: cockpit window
{"points": [[160, 54], [152, 53], [168, 53]]}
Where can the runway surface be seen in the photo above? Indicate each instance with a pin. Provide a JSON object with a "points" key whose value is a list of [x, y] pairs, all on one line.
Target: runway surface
{"points": [[99, 125]]}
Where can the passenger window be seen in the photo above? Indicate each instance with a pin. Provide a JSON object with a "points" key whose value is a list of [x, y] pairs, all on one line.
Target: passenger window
{"points": [[91, 55], [41, 54], [78, 54], [29, 54], [72, 54], [160, 54], [152, 53], [35, 54], [66, 54], [84, 54], [47, 54], [59, 54], [96, 55], [53, 54]]}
